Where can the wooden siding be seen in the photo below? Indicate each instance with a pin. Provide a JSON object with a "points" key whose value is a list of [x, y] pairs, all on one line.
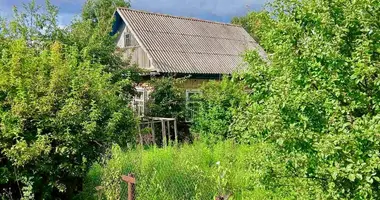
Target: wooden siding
{"points": [[194, 83], [134, 52], [138, 56]]}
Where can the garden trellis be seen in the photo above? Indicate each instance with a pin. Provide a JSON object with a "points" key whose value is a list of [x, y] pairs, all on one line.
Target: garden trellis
{"points": [[149, 122]]}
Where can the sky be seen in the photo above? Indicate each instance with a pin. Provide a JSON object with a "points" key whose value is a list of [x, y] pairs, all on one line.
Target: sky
{"points": [[215, 10]]}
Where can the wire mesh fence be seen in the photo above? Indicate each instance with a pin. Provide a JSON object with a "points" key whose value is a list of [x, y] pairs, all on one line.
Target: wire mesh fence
{"points": [[174, 188], [173, 172], [159, 184]]}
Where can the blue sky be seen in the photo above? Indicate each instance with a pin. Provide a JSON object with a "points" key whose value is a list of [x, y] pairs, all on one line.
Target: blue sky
{"points": [[215, 10]]}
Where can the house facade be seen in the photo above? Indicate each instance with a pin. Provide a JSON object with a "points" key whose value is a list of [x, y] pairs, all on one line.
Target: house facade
{"points": [[166, 45]]}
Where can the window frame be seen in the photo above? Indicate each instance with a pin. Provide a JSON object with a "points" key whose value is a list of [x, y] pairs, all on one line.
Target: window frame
{"points": [[189, 118], [139, 102], [127, 39]]}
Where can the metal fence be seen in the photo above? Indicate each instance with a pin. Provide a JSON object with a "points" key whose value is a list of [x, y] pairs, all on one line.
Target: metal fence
{"points": [[130, 189]]}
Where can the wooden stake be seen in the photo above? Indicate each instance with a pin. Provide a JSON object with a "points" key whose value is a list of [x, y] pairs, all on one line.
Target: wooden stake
{"points": [[163, 133], [153, 133], [175, 132], [130, 179], [169, 137]]}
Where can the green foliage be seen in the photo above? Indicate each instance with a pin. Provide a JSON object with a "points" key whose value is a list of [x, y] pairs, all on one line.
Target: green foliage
{"points": [[91, 34], [167, 98], [60, 107], [254, 22], [218, 102], [196, 171], [318, 97], [101, 11]]}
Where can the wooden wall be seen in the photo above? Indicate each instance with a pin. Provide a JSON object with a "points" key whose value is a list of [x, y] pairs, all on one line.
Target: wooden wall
{"points": [[134, 52], [194, 83]]}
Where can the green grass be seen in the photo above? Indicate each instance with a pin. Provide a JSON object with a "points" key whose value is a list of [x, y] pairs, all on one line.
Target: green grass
{"points": [[196, 171]]}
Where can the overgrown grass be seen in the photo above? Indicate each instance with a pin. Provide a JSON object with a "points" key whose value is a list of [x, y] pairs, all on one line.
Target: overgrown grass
{"points": [[196, 171]]}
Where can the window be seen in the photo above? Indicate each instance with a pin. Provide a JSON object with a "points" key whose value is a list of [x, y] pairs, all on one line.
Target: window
{"points": [[139, 101], [192, 104], [127, 40]]}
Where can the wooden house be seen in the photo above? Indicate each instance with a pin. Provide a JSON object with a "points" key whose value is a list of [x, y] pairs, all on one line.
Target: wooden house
{"points": [[167, 45]]}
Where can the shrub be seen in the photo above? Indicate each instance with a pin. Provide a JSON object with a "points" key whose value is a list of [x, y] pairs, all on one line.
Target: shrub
{"points": [[167, 98], [59, 108], [218, 102]]}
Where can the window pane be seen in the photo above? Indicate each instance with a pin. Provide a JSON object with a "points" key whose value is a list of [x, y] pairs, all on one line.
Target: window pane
{"points": [[127, 41], [139, 95]]}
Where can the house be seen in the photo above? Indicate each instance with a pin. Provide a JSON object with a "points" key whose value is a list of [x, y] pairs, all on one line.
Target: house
{"points": [[180, 46]]}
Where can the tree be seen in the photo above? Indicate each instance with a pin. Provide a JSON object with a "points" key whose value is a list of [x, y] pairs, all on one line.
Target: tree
{"points": [[218, 103], [167, 98], [318, 96], [253, 22], [60, 106], [91, 33], [101, 11]]}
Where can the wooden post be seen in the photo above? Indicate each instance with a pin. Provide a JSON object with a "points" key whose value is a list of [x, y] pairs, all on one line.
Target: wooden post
{"points": [[175, 132], [153, 133], [130, 179], [169, 138], [163, 133]]}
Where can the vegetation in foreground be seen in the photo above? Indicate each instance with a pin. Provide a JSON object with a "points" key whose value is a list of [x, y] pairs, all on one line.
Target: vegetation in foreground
{"points": [[195, 171], [311, 121]]}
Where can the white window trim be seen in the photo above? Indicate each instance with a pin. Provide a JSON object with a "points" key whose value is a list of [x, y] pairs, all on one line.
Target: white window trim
{"points": [[188, 100], [139, 104]]}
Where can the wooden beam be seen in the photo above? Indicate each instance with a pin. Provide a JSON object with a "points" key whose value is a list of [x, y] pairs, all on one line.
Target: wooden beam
{"points": [[175, 132], [160, 118], [169, 138], [153, 133], [129, 178], [164, 142]]}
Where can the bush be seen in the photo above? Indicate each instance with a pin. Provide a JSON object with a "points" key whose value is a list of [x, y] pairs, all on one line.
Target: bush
{"points": [[167, 98], [196, 171], [59, 109], [218, 102], [317, 96]]}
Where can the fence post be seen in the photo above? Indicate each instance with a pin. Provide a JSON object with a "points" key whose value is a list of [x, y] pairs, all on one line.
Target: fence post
{"points": [[175, 132], [130, 179], [164, 141]]}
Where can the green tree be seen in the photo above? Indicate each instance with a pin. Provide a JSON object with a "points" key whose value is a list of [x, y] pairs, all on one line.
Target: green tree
{"points": [[60, 106], [91, 33], [253, 22], [218, 103], [318, 96], [167, 98]]}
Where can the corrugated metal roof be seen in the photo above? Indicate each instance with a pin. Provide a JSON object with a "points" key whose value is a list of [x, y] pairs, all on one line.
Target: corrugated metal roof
{"points": [[186, 45]]}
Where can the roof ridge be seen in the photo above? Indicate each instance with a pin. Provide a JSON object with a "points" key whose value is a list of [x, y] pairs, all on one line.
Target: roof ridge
{"points": [[179, 17]]}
